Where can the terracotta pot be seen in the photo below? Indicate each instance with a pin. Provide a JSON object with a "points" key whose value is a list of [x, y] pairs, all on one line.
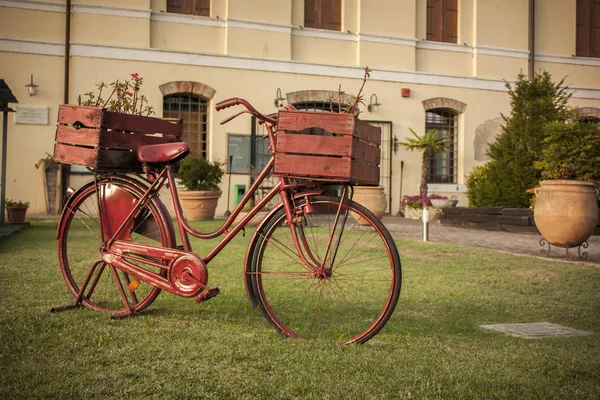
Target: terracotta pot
{"points": [[373, 198], [199, 205], [566, 211], [16, 215]]}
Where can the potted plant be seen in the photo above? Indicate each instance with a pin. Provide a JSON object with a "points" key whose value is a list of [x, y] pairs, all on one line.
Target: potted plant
{"points": [[16, 211], [413, 205], [51, 178], [566, 207], [201, 180]]}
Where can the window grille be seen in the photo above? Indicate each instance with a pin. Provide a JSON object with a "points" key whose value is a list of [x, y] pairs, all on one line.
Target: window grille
{"points": [[443, 166], [194, 112]]}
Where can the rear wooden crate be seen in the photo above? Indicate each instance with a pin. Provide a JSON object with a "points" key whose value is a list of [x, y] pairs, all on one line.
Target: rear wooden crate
{"points": [[347, 152], [105, 140]]}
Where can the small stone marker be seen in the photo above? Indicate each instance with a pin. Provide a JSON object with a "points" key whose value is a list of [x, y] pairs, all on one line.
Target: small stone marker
{"points": [[536, 330]]}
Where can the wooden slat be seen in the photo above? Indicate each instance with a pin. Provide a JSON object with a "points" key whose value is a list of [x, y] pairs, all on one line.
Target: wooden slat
{"points": [[299, 120], [364, 151], [307, 144], [111, 159], [312, 166], [139, 123], [129, 141], [84, 137], [91, 117], [368, 132], [66, 154], [364, 173]]}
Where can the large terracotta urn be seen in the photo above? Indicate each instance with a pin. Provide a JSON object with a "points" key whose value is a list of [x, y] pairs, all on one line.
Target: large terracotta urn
{"points": [[199, 205], [566, 211], [373, 198]]}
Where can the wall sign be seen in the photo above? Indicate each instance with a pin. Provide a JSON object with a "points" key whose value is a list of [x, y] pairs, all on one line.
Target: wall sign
{"points": [[31, 115]]}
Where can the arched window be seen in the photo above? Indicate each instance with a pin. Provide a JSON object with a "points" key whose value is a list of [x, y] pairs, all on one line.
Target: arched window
{"points": [[193, 109], [443, 167]]}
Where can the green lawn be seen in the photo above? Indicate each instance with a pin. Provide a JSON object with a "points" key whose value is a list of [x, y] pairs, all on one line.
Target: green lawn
{"points": [[431, 348]]}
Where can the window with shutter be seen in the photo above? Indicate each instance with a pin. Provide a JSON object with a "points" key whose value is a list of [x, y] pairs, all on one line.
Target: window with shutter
{"points": [[323, 14], [588, 28], [442, 21], [191, 7]]}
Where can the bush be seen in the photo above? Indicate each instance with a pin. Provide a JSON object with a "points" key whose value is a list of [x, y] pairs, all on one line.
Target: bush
{"points": [[196, 173], [571, 151], [510, 171]]}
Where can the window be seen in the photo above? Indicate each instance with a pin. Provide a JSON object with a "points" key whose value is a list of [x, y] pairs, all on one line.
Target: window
{"points": [[194, 112], [443, 166], [588, 28], [323, 14], [192, 7], [442, 21]]}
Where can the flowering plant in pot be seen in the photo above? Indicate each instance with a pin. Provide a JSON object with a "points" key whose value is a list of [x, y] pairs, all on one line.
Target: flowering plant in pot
{"points": [[16, 210], [201, 180]]}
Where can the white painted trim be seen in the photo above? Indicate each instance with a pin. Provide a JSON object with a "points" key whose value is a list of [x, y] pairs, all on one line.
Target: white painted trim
{"points": [[460, 48], [259, 26], [501, 52], [110, 11], [293, 67], [34, 5], [395, 40], [32, 47], [187, 19], [586, 61], [324, 34], [446, 187]]}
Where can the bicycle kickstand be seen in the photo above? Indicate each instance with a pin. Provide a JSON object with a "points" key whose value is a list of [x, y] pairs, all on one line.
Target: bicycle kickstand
{"points": [[77, 302]]}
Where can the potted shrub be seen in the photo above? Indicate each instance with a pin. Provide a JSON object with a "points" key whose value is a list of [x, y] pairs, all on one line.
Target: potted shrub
{"points": [[566, 207], [51, 178], [16, 211], [201, 180]]}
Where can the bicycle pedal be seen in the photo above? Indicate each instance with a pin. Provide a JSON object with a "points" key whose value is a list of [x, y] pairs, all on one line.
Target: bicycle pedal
{"points": [[206, 295]]}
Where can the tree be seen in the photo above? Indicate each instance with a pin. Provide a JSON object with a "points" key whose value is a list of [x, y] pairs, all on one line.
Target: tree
{"points": [[510, 171], [430, 144]]}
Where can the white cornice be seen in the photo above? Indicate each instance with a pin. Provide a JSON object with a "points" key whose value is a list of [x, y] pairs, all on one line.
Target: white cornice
{"points": [[111, 11], [500, 51], [460, 48], [324, 34], [395, 40], [243, 63], [188, 19], [590, 62], [34, 5], [259, 26]]}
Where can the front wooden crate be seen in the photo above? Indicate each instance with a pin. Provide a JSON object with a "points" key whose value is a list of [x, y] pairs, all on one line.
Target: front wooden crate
{"points": [[327, 146], [105, 140]]}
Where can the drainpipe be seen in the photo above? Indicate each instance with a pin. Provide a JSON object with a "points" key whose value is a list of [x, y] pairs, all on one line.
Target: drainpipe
{"points": [[66, 169], [531, 39]]}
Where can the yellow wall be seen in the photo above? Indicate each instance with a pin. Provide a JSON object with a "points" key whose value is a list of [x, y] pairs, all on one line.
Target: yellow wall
{"points": [[201, 39], [32, 24], [270, 11], [389, 56], [323, 51], [555, 27], [446, 62], [509, 16], [258, 44], [388, 18], [109, 29]]}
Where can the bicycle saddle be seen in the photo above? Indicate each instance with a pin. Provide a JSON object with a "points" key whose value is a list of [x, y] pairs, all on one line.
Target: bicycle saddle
{"points": [[168, 153]]}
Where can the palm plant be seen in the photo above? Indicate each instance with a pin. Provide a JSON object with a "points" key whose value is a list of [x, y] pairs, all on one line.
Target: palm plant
{"points": [[430, 144]]}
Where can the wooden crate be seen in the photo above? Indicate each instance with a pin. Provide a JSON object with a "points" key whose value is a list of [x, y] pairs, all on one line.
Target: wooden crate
{"points": [[105, 140], [348, 150]]}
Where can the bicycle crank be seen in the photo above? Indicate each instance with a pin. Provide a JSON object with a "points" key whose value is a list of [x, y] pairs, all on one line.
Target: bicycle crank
{"points": [[188, 275]]}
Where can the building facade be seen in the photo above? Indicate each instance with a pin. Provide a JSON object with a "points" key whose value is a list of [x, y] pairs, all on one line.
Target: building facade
{"points": [[439, 64]]}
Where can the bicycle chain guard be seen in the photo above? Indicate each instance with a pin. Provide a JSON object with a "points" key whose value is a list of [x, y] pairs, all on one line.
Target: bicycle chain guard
{"points": [[188, 275]]}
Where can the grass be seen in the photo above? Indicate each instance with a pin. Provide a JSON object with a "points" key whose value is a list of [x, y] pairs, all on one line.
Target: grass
{"points": [[222, 349]]}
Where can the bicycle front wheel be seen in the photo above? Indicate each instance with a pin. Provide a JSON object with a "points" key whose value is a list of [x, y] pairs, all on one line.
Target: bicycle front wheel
{"points": [[80, 240], [356, 292]]}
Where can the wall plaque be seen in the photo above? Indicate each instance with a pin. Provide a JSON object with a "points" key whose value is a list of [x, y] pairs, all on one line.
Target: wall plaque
{"points": [[32, 115]]}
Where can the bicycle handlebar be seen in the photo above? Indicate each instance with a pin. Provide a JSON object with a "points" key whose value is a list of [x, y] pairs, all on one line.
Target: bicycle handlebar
{"points": [[234, 101]]}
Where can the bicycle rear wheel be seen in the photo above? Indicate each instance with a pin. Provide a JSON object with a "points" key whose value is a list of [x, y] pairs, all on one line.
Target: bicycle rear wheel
{"points": [[80, 241], [359, 289]]}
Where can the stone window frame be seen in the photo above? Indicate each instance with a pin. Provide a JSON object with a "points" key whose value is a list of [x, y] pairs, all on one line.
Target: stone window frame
{"points": [[194, 89], [457, 108]]}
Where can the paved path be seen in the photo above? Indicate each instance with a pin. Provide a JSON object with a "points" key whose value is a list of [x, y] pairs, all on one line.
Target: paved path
{"points": [[515, 243]]}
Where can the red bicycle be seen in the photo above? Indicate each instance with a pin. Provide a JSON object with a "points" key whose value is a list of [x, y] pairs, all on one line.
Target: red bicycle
{"points": [[310, 267]]}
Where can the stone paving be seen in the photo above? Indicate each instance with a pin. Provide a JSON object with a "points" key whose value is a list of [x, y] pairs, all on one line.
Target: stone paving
{"points": [[508, 242]]}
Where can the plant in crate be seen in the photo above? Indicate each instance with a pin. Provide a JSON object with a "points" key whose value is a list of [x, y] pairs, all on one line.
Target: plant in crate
{"points": [[16, 210], [201, 179]]}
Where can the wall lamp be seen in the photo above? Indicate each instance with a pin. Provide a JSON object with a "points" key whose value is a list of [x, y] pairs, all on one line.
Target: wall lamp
{"points": [[278, 99], [32, 86], [373, 104]]}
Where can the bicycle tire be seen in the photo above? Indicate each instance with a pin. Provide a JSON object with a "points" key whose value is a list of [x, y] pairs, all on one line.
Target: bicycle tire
{"points": [[80, 241], [354, 302]]}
